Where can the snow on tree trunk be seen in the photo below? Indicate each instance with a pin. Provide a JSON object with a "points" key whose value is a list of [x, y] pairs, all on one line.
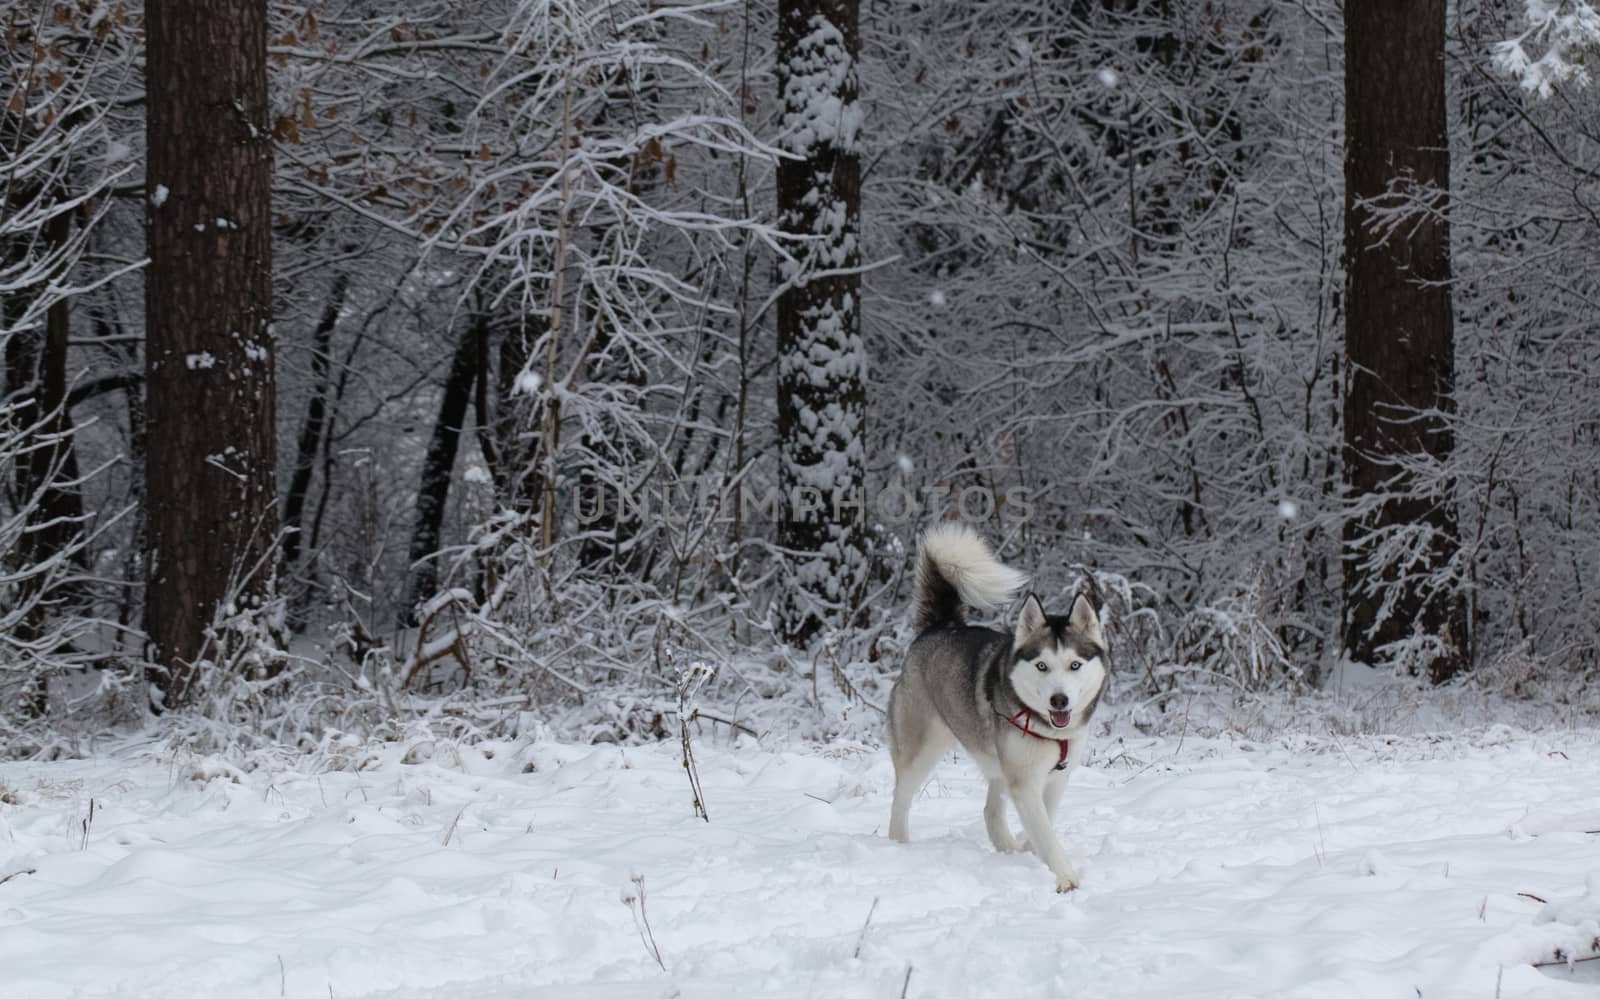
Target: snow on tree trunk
{"points": [[821, 358], [1399, 340], [208, 350]]}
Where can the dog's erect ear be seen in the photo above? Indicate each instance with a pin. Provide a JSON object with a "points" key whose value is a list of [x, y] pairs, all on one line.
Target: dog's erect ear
{"points": [[1085, 621], [1031, 618]]}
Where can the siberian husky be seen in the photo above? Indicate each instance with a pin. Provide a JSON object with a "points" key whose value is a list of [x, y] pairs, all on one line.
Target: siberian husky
{"points": [[1019, 703]]}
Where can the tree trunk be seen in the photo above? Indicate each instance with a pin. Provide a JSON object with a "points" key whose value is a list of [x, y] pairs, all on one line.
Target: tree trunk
{"points": [[434, 490], [305, 459], [821, 358], [1399, 334], [45, 474], [517, 423], [208, 349]]}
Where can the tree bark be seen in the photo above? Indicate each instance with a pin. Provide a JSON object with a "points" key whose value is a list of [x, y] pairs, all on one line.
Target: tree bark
{"points": [[45, 474], [821, 357], [305, 459], [208, 351], [1399, 333], [434, 490]]}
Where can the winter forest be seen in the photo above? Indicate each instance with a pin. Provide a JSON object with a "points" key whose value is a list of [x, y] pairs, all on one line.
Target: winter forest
{"points": [[407, 405]]}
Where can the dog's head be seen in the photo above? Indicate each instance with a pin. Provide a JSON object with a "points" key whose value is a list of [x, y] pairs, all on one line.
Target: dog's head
{"points": [[1058, 663]]}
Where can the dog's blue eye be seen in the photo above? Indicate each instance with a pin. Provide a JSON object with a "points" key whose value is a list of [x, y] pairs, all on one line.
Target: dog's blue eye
{"points": [[1076, 664], [1042, 667]]}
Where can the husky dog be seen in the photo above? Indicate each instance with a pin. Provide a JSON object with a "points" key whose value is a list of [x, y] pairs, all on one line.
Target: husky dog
{"points": [[1019, 703]]}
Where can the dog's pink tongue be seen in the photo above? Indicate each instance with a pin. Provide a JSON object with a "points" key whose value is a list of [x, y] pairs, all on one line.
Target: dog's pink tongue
{"points": [[1060, 718]]}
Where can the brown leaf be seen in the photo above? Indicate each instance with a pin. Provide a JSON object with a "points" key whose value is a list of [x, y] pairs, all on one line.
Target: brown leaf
{"points": [[18, 102], [649, 155], [672, 169], [483, 151], [285, 129]]}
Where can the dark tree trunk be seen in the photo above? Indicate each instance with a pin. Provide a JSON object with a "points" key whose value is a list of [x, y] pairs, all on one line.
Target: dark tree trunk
{"points": [[1399, 332], [821, 358], [434, 490], [515, 435], [36, 379], [606, 513], [208, 350], [45, 476], [305, 458], [133, 556]]}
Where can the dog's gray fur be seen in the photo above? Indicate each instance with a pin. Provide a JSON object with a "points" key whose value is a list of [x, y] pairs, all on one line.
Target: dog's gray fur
{"points": [[961, 684]]}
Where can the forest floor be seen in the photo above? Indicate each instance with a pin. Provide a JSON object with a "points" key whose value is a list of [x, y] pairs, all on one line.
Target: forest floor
{"points": [[1423, 865]]}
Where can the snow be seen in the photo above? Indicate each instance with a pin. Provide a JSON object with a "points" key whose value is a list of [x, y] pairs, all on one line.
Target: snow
{"points": [[1307, 868], [528, 382], [1570, 32], [819, 101], [158, 197]]}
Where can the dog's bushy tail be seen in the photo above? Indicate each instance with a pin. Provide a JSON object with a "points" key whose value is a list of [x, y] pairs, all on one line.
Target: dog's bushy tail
{"points": [[955, 568]]}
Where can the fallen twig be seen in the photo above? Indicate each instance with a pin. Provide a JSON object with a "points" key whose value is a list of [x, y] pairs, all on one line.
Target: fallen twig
{"points": [[87, 822], [452, 829], [862, 936], [1562, 962], [18, 874]]}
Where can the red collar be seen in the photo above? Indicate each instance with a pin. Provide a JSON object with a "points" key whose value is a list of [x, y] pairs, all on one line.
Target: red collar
{"points": [[1024, 727]]}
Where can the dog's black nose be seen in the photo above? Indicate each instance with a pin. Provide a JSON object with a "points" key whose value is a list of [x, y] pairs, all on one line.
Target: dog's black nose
{"points": [[1058, 702]]}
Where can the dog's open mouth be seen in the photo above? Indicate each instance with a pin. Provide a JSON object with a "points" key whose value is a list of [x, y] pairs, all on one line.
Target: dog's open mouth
{"points": [[1060, 719]]}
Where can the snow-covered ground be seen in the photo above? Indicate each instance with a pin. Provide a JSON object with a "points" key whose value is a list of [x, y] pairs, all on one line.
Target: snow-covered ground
{"points": [[1305, 867]]}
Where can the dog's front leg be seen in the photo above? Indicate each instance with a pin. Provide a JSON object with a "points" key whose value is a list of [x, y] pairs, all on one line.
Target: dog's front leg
{"points": [[1028, 796], [1054, 786], [994, 818]]}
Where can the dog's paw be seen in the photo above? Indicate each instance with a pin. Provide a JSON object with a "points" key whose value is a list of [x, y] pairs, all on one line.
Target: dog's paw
{"points": [[1066, 882], [1006, 845]]}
